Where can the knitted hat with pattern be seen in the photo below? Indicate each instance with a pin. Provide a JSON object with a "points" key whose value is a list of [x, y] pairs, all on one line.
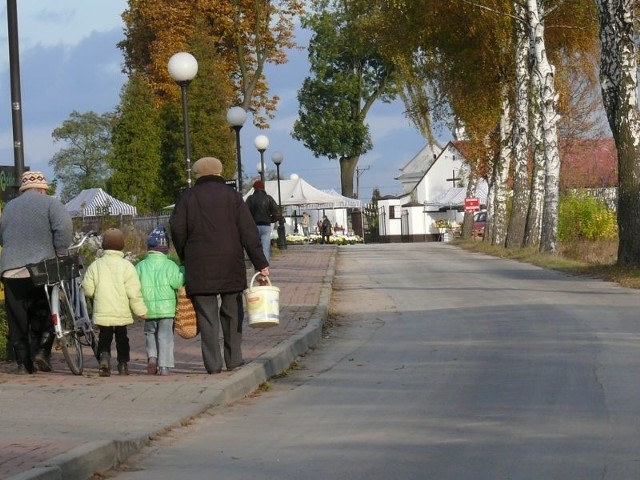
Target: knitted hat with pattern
{"points": [[33, 180]]}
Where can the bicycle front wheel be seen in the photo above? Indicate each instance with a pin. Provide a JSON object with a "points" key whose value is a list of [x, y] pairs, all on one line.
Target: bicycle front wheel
{"points": [[69, 343]]}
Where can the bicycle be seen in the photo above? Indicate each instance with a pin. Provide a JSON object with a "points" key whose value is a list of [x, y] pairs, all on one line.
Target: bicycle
{"points": [[61, 278]]}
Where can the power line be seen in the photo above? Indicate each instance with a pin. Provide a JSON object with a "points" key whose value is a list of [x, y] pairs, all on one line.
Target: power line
{"points": [[359, 172]]}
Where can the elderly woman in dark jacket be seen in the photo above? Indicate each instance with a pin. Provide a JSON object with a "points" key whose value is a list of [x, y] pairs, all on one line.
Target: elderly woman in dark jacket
{"points": [[211, 228]]}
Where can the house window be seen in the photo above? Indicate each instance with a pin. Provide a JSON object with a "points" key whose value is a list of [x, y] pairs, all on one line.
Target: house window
{"points": [[395, 212]]}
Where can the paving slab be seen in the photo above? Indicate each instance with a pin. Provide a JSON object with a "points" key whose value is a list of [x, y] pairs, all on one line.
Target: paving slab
{"points": [[61, 426]]}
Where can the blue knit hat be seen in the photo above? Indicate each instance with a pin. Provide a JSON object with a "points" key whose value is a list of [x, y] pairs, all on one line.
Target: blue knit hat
{"points": [[158, 240]]}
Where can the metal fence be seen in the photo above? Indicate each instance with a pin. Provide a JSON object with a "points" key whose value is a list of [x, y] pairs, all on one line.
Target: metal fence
{"points": [[139, 224]]}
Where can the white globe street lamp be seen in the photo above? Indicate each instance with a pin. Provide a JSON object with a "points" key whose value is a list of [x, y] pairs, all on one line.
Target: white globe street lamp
{"points": [[183, 68], [236, 116], [262, 143]]}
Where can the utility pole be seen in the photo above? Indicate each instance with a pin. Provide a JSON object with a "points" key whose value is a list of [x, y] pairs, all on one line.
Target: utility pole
{"points": [[359, 171]]}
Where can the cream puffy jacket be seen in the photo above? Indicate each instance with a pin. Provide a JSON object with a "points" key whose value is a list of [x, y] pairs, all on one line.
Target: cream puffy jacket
{"points": [[112, 282]]}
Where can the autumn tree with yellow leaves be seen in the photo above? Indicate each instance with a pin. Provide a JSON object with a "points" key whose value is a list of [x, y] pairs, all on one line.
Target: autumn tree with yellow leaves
{"points": [[233, 41]]}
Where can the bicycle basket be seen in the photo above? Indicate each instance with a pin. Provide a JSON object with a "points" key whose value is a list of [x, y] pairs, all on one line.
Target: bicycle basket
{"points": [[53, 270]]}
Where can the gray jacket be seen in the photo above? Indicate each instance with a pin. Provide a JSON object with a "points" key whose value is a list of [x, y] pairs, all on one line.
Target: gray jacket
{"points": [[33, 227]]}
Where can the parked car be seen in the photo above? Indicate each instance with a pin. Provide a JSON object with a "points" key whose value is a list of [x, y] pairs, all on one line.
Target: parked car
{"points": [[479, 222]]}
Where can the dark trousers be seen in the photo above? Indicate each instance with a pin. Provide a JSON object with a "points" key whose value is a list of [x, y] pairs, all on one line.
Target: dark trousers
{"points": [[229, 315], [27, 314], [122, 342]]}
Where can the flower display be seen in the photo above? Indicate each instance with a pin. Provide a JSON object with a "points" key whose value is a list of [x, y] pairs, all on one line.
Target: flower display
{"points": [[442, 224]]}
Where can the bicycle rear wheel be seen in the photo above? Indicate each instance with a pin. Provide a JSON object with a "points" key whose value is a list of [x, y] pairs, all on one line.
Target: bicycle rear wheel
{"points": [[69, 343]]}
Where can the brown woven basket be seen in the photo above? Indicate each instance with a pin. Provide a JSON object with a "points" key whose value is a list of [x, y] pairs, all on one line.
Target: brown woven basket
{"points": [[186, 323]]}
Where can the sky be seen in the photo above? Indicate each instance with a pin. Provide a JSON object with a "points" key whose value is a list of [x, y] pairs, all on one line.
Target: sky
{"points": [[69, 61]]}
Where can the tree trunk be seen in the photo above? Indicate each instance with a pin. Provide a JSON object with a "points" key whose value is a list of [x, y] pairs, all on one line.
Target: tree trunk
{"points": [[520, 205], [536, 201], [347, 170], [499, 219], [546, 73], [619, 83], [467, 222], [491, 198]]}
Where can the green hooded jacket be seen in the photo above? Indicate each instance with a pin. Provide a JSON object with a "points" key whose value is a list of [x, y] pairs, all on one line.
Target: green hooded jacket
{"points": [[160, 277]]}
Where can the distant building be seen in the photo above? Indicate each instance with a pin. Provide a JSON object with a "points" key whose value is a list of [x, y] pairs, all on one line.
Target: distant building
{"points": [[434, 182], [435, 179]]}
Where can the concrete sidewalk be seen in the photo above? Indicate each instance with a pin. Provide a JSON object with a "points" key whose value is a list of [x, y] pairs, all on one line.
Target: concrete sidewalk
{"points": [[61, 426]]}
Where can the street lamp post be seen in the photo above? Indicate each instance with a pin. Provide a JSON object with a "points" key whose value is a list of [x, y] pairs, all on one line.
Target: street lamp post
{"points": [[183, 68], [277, 158], [236, 116], [16, 95], [262, 143]]}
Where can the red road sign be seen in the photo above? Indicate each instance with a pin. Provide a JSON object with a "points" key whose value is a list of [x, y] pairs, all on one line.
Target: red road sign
{"points": [[471, 204]]}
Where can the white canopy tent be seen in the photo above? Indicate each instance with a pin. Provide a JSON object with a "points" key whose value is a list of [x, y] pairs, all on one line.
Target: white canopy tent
{"points": [[94, 202], [347, 202], [301, 193], [297, 192]]}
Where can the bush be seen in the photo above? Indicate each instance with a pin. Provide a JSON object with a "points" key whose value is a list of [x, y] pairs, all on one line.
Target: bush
{"points": [[581, 217]]}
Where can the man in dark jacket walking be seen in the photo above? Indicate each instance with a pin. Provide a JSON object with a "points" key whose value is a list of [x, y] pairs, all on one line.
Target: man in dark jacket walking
{"points": [[265, 211], [211, 228]]}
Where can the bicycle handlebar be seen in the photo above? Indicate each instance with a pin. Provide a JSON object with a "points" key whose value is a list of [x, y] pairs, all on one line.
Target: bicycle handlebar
{"points": [[83, 238]]}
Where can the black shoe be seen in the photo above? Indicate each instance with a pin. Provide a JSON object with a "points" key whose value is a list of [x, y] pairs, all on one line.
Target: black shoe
{"points": [[123, 369], [42, 358], [105, 365], [23, 359], [22, 370], [213, 372], [230, 369], [42, 362]]}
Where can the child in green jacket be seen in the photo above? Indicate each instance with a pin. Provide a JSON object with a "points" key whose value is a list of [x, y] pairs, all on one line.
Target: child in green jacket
{"points": [[160, 277]]}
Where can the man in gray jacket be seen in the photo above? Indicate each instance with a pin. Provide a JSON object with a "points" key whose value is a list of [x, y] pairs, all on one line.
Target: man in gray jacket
{"points": [[33, 227]]}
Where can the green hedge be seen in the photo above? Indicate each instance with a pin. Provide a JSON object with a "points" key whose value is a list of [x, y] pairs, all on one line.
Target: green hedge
{"points": [[581, 217]]}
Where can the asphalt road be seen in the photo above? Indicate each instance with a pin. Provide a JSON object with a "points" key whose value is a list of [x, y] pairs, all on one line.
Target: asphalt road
{"points": [[443, 364]]}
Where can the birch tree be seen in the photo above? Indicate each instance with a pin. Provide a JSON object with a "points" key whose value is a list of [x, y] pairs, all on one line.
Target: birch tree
{"points": [[499, 204], [536, 200], [521, 181], [545, 72], [619, 83]]}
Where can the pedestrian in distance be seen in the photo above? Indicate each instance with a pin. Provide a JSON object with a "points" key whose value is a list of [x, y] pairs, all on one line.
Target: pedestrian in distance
{"points": [[33, 227], [211, 229], [265, 212], [112, 281], [305, 224], [325, 229], [160, 278]]}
